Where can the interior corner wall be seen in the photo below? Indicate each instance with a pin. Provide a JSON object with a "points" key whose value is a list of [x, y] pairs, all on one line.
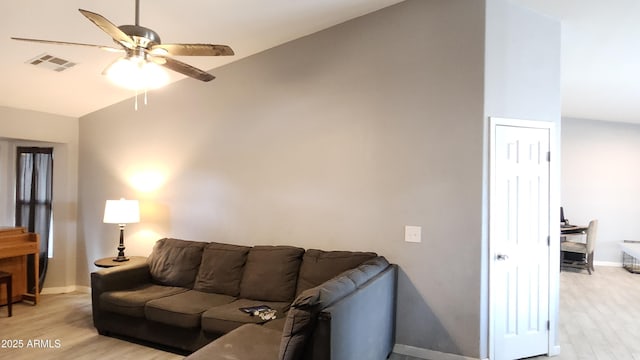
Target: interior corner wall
{"points": [[600, 181], [25, 127], [334, 141], [522, 81]]}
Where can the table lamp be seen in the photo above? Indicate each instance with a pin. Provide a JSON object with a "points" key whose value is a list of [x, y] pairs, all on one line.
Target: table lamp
{"points": [[121, 212]]}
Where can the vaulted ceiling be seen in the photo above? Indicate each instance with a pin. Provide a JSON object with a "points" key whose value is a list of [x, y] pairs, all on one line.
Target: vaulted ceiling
{"points": [[248, 26], [600, 52]]}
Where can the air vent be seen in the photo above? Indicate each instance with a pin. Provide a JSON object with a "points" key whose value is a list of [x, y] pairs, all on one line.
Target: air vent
{"points": [[51, 62]]}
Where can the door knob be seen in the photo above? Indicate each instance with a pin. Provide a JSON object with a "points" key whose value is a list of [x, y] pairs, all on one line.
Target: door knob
{"points": [[502, 257]]}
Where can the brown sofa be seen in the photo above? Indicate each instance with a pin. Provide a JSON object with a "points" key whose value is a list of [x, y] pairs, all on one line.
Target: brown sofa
{"points": [[329, 304]]}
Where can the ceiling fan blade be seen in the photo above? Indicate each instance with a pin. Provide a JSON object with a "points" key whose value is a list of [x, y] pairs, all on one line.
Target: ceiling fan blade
{"points": [[195, 49], [186, 69], [107, 26], [108, 48]]}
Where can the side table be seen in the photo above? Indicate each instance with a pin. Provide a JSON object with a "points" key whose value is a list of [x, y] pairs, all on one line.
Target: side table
{"points": [[108, 262]]}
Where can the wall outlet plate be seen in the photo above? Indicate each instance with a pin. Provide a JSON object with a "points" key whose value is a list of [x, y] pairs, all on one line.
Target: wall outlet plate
{"points": [[413, 234]]}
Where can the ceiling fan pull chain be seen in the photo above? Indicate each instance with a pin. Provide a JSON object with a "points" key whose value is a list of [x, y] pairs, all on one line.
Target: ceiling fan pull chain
{"points": [[135, 105], [145, 97]]}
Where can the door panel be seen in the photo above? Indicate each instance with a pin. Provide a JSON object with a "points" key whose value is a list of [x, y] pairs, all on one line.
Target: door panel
{"points": [[519, 234]]}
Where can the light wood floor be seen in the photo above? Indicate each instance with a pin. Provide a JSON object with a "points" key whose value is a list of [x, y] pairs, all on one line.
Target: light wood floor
{"points": [[65, 321], [599, 315], [599, 320]]}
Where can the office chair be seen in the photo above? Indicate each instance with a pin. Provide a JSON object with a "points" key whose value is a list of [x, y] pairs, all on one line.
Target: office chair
{"points": [[584, 249]]}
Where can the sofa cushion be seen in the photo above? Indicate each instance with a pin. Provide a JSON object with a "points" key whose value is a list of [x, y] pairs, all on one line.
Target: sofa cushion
{"points": [[221, 269], [248, 342], [224, 318], [319, 266], [276, 324], [297, 328], [175, 262], [184, 309], [131, 302], [270, 273], [301, 318]]}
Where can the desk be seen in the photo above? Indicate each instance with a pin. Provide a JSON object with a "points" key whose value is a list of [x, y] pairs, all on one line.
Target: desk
{"points": [[15, 245], [573, 229]]}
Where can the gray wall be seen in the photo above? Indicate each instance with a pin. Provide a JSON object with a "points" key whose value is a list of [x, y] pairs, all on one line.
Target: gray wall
{"points": [[522, 78], [333, 141], [25, 127], [600, 177]]}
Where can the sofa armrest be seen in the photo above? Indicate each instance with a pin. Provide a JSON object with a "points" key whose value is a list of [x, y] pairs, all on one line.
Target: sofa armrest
{"points": [[120, 277], [359, 326], [115, 278]]}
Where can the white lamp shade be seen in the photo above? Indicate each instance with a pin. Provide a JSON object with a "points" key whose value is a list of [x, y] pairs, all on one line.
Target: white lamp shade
{"points": [[121, 212]]}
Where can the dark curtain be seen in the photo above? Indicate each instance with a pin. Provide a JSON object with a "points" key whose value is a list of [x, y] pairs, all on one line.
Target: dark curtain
{"points": [[34, 177]]}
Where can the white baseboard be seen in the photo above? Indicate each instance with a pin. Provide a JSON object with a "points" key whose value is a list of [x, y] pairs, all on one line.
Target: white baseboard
{"points": [[427, 354], [65, 290], [607, 263]]}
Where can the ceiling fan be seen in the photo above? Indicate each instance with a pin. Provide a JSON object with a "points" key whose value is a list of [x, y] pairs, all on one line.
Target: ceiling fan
{"points": [[143, 45]]}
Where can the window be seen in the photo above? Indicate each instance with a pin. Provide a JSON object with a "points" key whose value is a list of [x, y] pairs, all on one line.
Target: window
{"points": [[34, 178]]}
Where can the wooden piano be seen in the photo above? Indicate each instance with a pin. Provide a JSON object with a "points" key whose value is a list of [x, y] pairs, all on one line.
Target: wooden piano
{"points": [[15, 245]]}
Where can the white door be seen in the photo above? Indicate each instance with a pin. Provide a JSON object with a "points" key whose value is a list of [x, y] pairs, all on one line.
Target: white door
{"points": [[519, 240]]}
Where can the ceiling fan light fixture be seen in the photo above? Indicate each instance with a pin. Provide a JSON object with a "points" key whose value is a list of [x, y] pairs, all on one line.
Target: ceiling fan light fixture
{"points": [[136, 73], [147, 58], [158, 51]]}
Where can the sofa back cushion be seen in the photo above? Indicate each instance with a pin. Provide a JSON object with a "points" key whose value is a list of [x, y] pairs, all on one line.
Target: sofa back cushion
{"points": [[302, 315], [221, 269], [175, 262], [271, 273], [319, 266]]}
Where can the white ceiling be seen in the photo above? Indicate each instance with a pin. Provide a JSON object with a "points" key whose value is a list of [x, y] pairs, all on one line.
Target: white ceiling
{"points": [[248, 26], [600, 46]]}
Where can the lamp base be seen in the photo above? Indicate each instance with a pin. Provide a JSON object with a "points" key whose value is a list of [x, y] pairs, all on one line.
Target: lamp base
{"points": [[121, 257]]}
